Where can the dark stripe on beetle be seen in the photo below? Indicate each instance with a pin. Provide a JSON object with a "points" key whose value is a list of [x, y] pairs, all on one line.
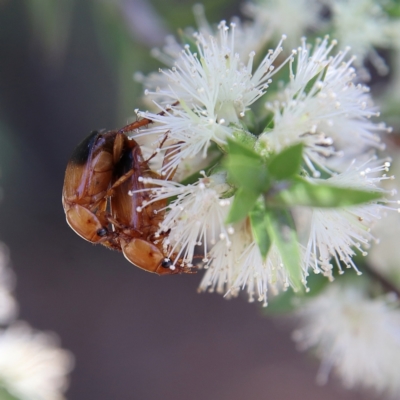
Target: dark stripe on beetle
{"points": [[82, 151], [125, 164]]}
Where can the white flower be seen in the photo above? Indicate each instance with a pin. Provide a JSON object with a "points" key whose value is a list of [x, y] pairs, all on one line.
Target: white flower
{"points": [[292, 18], [365, 26], [203, 99], [216, 75], [245, 38], [32, 366], [222, 266], [238, 265], [189, 132], [195, 218], [8, 304], [210, 91], [336, 233], [333, 114], [356, 337]]}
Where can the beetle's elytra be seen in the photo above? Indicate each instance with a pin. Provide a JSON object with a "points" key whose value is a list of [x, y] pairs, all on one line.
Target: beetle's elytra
{"points": [[101, 172]]}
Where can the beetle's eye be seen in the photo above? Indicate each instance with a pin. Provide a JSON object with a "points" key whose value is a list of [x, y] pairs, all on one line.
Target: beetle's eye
{"points": [[166, 263], [102, 232]]}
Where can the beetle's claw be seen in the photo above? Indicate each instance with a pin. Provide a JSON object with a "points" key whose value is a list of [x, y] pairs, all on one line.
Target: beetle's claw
{"points": [[188, 270]]}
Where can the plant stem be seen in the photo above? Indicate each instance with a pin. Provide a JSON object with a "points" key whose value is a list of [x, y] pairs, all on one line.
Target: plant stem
{"points": [[386, 284]]}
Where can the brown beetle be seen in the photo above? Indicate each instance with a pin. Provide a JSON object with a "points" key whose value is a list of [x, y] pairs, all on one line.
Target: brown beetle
{"points": [[137, 225], [101, 172], [87, 180]]}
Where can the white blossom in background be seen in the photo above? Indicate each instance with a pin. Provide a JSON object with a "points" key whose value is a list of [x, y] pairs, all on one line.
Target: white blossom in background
{"points": [[366, 27], [249, 36], [292, 18], [8, 304], [384, 255], [356, 337], [32, 365], [333, 117]]}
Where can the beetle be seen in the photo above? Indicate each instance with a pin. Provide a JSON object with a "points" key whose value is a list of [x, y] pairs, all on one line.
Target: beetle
{"points": [[87, 181], [101, 172], [137, 225]]}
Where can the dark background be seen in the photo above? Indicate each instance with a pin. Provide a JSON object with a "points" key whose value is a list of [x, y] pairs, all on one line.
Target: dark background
{"points": [[134, 335]]}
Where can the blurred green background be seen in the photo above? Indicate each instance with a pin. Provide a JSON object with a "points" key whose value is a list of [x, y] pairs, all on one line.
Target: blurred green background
{"points": [[66, 68]]}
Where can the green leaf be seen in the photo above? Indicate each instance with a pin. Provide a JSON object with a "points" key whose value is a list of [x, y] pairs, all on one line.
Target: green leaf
{"points": [[287, 163], [268, 122], [259, 229], [5, 395], [304, 193], [281, 229], [243, 203], [247, 173], [237, 148], [246, 169], [392, 9]]}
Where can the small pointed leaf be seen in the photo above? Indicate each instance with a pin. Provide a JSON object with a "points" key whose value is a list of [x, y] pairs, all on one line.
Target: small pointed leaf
{"points": [[246, 168], [304, 193], [236, 148], [259, 230], [287, 163], [283, 233], [243, 203]]}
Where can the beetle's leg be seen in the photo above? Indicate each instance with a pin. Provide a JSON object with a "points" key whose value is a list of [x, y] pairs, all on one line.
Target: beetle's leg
{"points": [[119, 143], [159, 147], [167, 158], [119, 182], [142, 122], [181, 265], [160, 235], [122, 229], [114, 222], [135, 125]]}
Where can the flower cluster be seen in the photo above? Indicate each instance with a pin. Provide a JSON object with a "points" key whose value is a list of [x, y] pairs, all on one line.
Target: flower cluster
{"points": [[355, 336], [283, 177], [365, 25], [32, 365]]}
